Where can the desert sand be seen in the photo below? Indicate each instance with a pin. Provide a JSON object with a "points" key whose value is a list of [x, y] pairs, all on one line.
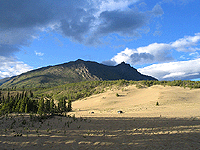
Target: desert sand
{"points": [[172, 124], [173, 102]]}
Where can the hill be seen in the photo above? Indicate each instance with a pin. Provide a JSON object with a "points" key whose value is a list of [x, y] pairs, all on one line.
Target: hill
{"points": [[2, 81], [173, 101], [72, 72]]}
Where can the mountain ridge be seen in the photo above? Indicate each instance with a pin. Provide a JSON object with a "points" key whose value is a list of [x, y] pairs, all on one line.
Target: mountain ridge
{"points": [[73, 71]]}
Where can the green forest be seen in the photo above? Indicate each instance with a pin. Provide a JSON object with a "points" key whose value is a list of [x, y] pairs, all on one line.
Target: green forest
{"points": [[59, 99]]}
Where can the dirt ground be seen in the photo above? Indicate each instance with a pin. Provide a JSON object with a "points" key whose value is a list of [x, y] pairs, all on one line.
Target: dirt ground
{"points": [[95, 122]]}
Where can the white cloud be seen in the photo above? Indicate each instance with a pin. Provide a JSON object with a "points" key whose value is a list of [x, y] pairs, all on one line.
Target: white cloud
{"points": [[123, 56], [110, 5], [186, 44], [11, 67], [174, 70], [157, 52], [39, 53]]}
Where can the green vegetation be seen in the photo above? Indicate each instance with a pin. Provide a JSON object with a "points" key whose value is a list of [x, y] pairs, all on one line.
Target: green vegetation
{"points": [[117, 94], [72, 72], [25, 102], [58, 99], [181, 83]]}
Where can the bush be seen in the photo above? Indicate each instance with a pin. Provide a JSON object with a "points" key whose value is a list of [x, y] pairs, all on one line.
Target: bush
{"points": [[139, 86]]}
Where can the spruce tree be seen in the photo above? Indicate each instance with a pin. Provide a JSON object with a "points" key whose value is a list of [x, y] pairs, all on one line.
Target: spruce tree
{"points": [[26, 108], [31, 93], [3, 99], [22, 95], [69, 105], [52, 106], [41, 107], [60, 105], [22, 106], [47, 106], [11, 103], [8, 97], [64, 105], [26, 94], [18, 106]]}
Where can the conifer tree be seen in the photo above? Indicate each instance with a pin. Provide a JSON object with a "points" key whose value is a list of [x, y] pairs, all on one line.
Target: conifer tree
{"points": [[22, 95], [11, 103], [31, 93], [64, 105], [41, 107], [18, 106], [47, 106], [26, 94], [69, 108], [8, 97], [52, 106], [3, 99], [26, 108], [17, 96], [60, 104], [22, 106]]}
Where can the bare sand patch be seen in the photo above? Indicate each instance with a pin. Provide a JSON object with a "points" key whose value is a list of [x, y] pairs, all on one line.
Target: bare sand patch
{"points": [[173, 102], [174, 124]]}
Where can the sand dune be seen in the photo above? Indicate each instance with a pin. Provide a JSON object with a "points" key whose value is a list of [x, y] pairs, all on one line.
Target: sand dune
{"points": [[173, 102], [174, 124]]}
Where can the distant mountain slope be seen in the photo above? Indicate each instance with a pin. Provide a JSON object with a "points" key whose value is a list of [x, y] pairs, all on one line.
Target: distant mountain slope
{"points": [[2, 81], [74, 71]]}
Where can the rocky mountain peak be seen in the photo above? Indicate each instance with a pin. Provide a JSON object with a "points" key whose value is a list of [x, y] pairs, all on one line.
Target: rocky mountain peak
{"points": [[74, 71]]}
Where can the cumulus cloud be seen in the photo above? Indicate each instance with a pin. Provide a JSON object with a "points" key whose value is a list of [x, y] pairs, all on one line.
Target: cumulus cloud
{"points": [[174, 70], [84, 21], [11, 67], [187, 43], [157, 52], [122, 21]]}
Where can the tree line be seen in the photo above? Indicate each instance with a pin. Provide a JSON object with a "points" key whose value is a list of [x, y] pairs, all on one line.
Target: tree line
{"points": [[42, 101], [25, 102]]}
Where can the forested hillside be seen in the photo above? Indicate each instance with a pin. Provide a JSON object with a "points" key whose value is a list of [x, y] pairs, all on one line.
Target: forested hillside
{"points": [[73, 72]]}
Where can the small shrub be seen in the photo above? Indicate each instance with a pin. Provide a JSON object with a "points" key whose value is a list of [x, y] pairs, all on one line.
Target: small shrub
{"points": [[157, 104], [139, 86], [117, 94]]}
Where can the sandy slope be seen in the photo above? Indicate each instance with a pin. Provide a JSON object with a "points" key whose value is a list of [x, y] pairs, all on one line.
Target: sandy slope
{"points": [[173, 102], [174, 124]]}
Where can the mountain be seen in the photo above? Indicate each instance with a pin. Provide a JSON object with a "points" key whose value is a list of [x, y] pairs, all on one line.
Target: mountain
{"points": [[74, 71]]}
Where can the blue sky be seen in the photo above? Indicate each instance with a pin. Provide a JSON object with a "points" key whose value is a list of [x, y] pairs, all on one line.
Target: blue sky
{"points": [[160, 38]]}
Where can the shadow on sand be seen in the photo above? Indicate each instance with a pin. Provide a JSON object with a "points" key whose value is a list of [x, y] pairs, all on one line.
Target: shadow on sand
{"points": [[103, 133]]}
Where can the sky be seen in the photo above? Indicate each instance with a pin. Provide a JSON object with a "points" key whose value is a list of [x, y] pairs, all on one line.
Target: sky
{"points": [[160, 38]]}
